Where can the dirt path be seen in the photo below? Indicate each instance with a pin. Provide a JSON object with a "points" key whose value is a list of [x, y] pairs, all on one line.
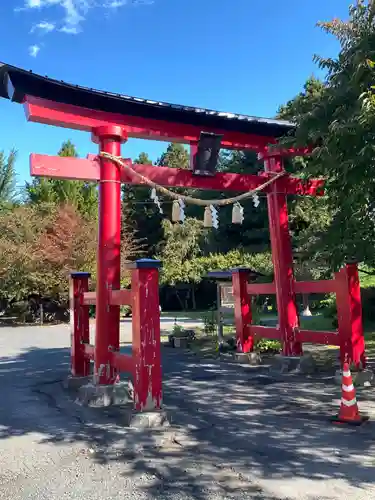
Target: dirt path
{"points": [[238, 433]]}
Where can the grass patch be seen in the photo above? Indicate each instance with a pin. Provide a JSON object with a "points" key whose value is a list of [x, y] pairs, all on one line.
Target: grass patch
{"points": [[318, 323]]}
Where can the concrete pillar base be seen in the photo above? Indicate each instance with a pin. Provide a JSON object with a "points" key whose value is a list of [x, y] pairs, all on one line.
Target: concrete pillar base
{"points": [[285, 364], [363, 378], [87, 393], [99, 396], [252, 358]]}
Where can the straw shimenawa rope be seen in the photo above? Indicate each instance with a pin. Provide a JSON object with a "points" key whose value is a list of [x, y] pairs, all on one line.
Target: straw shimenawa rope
{"points": [[188, 199]]}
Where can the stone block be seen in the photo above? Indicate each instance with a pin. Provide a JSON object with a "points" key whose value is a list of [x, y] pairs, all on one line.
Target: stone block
{"points": [[364, 378], [255, 358], [146, 420], [99, 396], [241, 357], [251, 358], [285, 364], [180, 342], [307, 364]]}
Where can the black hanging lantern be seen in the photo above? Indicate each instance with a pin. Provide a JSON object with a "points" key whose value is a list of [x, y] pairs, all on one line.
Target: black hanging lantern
{"points": [[207, 155]]}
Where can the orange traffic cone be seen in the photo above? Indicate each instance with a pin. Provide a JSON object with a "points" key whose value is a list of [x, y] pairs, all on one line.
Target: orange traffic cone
{"points": [[349, 413]]}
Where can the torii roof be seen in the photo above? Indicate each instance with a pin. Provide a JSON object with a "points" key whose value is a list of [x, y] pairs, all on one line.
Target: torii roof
{"points": [[16, 83]]}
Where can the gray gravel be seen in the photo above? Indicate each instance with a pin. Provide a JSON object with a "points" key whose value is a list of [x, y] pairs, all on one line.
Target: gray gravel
{"points": [[238, 433]]}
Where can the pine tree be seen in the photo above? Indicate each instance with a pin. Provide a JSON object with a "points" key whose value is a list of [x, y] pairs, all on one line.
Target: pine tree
{"points": [[140, 215], [176, 156]]}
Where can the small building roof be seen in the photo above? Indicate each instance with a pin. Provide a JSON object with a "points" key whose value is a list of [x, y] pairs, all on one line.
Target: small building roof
{"points": [[16, 83]]}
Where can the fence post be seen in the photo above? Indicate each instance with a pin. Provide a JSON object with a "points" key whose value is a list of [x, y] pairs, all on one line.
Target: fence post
{"points": [[147, 376], [349, 316], [242, 309], [79, 323]]}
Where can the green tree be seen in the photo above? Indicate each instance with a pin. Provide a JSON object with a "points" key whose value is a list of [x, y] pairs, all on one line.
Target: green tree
{"points": [[181, 243], [309, 217], [8, 192], [339, 121], [140, 215], [68, 149], [253, 234], [304, 101], [176, 156]]}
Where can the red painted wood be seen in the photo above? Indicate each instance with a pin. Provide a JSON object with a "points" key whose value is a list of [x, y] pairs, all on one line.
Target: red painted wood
{"points": [[147, 378], [290, 152], [107, 333], [261, 288], [75, 169], [79, 320], [89, 299], [266, 332], [75, 117], [318, 337], [122, 362], [327, 286], [309, 336], [242, 311], [89, 170], [349, 316], [283, 262], [121, 298], [89, 351]]}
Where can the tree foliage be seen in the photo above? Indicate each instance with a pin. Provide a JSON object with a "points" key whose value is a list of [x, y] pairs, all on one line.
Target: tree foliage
{"points": [[338, 119], [176, 156], [41, 244], [140, 215], [8, 193]]}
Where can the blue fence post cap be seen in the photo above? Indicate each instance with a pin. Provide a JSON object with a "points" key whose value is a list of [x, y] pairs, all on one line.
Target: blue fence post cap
{"points": [[144, 264], [80, 274]]}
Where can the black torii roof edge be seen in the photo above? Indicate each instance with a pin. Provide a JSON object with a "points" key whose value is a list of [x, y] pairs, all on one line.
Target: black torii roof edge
{"points": [[28, 83]]}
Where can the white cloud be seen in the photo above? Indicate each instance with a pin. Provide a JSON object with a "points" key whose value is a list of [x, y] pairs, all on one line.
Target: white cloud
{"points": [[72, 12], [34, 50], [43, 27], [115, 4], [70, 30], [33, 4]]}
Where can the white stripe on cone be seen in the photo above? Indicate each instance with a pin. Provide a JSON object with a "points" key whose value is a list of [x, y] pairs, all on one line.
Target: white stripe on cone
{"points": [[352, 402], [347, 374], [347, 388]]}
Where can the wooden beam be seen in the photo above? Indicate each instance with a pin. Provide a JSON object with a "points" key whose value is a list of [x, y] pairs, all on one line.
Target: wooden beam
{"points": [[327, 286], [75, 117], [89, 170]]}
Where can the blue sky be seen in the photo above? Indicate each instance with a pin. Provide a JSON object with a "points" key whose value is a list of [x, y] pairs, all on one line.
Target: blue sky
{"points": [[231, 55]]}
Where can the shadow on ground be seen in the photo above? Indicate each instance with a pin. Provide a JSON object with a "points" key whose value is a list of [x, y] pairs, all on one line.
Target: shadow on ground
{"points": [[234, 428]]}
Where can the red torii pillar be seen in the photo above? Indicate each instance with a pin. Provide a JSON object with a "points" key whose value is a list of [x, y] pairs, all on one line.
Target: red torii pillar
{"points": [[107, 334], [282, 258]]}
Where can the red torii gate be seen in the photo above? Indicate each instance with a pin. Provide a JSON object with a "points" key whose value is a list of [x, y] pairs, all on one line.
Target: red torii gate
{"points": [[56, 103]]}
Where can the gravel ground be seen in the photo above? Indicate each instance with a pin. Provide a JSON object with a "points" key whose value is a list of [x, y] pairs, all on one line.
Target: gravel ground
{"points": [[237, 433]]}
